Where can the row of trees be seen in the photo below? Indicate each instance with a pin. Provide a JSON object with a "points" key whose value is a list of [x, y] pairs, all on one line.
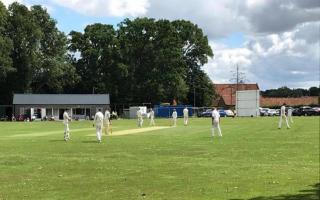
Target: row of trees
{"points": [[287, 92], [142, 60]]}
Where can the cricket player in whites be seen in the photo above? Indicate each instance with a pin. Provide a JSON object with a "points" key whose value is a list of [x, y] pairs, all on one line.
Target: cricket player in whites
{"points": [[290, 115], [174, 118], [185, 116], [215, 122], [107, 123], [151, 117], [98, 122], [140, 119], [66, 120], [283, 115]]}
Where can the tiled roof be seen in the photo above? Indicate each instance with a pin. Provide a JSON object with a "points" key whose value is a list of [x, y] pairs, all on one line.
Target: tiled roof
{"points": [[228, 91], [59, 99]]}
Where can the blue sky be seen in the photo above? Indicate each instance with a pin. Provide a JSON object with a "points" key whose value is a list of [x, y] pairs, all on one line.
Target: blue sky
{"points": [[275, 43], [69, 20]]}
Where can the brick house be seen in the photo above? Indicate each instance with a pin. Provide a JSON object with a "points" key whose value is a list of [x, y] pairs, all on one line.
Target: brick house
{"points": [[277, 101], [227, 93], [227, 97]]}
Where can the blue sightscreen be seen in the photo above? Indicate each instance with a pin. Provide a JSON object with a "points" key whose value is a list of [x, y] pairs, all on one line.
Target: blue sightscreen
{"points": [[166, 111]]}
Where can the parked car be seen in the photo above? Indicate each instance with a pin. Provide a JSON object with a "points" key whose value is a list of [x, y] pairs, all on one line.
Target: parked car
{"points": [[222, 113], [20, 117], [35, 117], [4, 118], [263, 111], [272, 112], [304, 111], [229, 113], [207, 113], [317, 110]]}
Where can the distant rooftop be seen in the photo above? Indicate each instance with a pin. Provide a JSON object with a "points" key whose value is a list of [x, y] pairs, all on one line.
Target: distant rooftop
{"points": [[228, 91], [61, 99]]}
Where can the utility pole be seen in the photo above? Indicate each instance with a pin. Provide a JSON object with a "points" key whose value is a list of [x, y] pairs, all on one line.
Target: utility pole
{"points": [[194, 94], [237, 77]]}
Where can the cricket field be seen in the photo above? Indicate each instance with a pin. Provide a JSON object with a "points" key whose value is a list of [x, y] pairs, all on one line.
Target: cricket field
{"points": [[254, 160]]}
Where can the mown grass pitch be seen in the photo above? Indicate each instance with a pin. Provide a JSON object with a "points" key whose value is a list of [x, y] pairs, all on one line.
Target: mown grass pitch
{"points": [[254, 160]]}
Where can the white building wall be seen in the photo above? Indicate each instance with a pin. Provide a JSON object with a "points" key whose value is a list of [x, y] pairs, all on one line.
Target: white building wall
{"points": [[133, 111]]}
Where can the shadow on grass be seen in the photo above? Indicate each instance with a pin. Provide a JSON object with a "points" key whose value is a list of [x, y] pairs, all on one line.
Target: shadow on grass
{"points": [[61, 140], [311, 194], [89, 141]]}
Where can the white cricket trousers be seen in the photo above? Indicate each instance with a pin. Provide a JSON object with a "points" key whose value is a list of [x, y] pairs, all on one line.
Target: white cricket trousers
{"points": [[290, 118], [280, 121], [185, 120], [99, 132], [140, 122], [174, 120], [107, 126], [216, 125], [66, 131], [152, 121]]}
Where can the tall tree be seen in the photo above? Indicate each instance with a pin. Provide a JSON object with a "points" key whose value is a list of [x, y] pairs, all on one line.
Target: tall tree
{"points": [[25, 35], [5, 44], [5, 59], [39, 53], [52, 72], [196, 51], [314, 91], [143, 61], [95, 57], [152, 54]]}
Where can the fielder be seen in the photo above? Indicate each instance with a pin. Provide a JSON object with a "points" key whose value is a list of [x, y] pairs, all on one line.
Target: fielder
{"points": [[174, 118], [290, 115], [107, 123], [283, 115], [152, 117], [140, 119], [185, 116], [66, 120], [215, 122], [98, 122]]}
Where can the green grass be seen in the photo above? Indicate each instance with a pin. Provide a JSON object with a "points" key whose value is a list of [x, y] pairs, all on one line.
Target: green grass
{"points": [[254, 160]]}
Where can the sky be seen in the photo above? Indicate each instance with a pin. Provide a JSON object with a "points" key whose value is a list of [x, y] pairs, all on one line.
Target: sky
{"points": [[274, 43]]}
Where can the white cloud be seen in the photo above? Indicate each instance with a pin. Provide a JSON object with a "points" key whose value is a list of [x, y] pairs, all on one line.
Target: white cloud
{"points": [[275, 16], [8, 2], [274, 60], [281, 44], [117, 8], [217, 18]]}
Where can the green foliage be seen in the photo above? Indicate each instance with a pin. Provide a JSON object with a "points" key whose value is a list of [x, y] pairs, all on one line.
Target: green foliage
{"points": [[287, 92], [314, 91], [144, 60], [52, 73], [33, 53], [96, 64], [6, 46]]}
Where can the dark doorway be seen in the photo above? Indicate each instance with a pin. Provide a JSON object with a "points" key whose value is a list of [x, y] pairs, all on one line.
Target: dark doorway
{"points": [[61, 111]]}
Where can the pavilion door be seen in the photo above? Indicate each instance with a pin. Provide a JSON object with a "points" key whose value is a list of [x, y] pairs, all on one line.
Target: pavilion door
{"points": [[61, 111]]}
